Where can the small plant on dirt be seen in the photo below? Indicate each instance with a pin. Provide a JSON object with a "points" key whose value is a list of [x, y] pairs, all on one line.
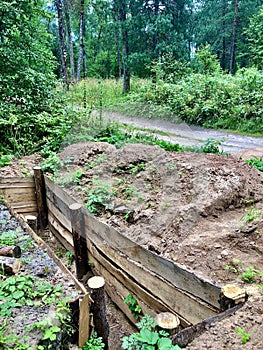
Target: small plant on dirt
{"points": [[70, 257], [99, 197], [73, 177], [92, 164], [251, 275], [234, 265], [133, 305], [148, 338], [8, 238], [245, 336], [252, 215], [51, 163], [256, 162], [94, 343]]}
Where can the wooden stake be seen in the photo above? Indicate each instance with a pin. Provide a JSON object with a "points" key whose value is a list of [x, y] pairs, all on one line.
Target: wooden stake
{"points": [[84, 320], [168, 322], [98, 308], [79, 240], [9, 266], [32, 221], [41, 198], [11, 251]]}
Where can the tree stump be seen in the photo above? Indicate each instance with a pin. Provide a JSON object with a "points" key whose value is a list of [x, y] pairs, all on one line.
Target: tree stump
{"points": [[11, 251], [231, 295], [98, 308], [41, 198], [168, 322]]}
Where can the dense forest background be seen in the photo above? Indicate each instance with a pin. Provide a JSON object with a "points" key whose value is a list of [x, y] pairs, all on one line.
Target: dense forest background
{"points": [[202, 61]]}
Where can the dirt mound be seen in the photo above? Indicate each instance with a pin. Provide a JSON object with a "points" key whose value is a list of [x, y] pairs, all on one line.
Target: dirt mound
{"points": [[201, 211]]}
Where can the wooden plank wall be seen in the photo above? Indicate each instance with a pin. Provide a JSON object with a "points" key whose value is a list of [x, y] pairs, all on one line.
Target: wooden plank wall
{"points": [[19, 193], [158, 285]]}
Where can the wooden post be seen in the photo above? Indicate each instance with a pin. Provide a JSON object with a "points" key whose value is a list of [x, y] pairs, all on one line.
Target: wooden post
{"points": [[168, 322], [98, 308], [41, 198], [79, 240], [84, 319]]}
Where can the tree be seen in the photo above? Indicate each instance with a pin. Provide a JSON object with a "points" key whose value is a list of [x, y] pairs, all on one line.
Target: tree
{"points": [[62, 41], [29, 113], [255, 39]]}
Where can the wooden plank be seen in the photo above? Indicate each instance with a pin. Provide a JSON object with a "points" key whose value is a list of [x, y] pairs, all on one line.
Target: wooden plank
{"points": [[184, 304], [58, 236], [60, 217], [187, 335], [17, 180], [179, 277], [84, 320], [64, 233], [102, 263], [121, 281]]}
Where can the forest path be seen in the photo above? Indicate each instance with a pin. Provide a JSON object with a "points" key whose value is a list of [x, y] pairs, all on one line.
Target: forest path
{"points": [[186, 135]]}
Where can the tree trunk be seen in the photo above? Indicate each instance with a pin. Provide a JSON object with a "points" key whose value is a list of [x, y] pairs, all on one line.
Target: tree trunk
{"points": [[11, 251], [233, 41], [9, 266], [71, 51], [62, 42], [81, 40], [223, 57], [125, 47], [155, 37]]}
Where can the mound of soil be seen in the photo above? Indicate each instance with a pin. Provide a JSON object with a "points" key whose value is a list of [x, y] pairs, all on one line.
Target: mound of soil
{"points": [[204, 212]]}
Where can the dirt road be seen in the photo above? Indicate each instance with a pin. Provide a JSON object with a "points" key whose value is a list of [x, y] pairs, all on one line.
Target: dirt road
{"points": [[192, 135]]}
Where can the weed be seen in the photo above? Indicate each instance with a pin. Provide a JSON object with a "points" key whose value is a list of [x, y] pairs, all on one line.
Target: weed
{"points": [[51, 163], [253, 216], [99, 197], [148, 337], [5, 159], [94, 343], [251, 275], [245, 336], [74, 177], [256, 162], [133, 306], [234, 266], [70, 257], [8, 238], [100, 158]]}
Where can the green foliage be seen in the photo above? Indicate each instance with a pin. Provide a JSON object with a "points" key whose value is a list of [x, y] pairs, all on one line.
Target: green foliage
{"points": [[98, 197], [8, 238], [256, 162], [251, 275], [70, 257], [31, 111], [252, 215], [217, 101], [94, 343], [205, 62], [133, 306], [245, 336], [51, 163], [148, 338], [5, 159]]}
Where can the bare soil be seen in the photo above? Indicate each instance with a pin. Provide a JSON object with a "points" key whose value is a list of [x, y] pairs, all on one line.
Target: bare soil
{"points": [[204, 212]]}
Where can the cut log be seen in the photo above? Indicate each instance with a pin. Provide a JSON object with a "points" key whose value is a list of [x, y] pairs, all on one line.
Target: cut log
{"points": [[168, 322], [231, 295], [98, 308], [84, 320], [11, 251], [9, 266]]}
